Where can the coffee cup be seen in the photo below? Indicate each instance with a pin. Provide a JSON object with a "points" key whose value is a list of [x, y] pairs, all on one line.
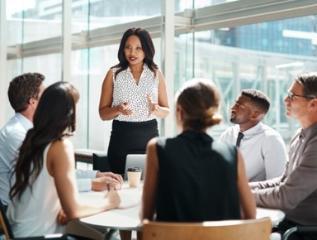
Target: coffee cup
{"points": [[134, 176]]}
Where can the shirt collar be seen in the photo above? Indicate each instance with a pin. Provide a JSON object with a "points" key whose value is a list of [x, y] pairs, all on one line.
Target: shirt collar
{"points": [[307, 132], [26, 123], [258, 128]]}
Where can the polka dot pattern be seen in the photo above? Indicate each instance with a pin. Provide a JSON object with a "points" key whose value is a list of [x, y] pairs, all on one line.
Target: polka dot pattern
{"points": [[125, 89]]}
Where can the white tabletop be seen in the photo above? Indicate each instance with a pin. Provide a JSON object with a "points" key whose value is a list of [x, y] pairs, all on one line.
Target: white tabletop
{"points": [[275, 215], [127, 216]]}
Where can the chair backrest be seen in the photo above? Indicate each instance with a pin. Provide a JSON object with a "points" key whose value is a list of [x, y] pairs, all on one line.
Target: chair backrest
{"points": [[135, 160], [4, 222], [100, 162], [257, 229]]}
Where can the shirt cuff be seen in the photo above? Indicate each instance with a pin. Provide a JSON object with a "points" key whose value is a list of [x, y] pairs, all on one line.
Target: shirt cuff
{"points": [[84, 184], [85, 173]]}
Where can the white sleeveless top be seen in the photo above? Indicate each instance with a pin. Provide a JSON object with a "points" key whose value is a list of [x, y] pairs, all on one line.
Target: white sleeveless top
{"points": [[125, 89], [35, 213]]}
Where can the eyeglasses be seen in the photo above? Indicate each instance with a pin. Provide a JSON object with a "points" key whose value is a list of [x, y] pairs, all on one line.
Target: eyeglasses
{"points": [[292, 95]]}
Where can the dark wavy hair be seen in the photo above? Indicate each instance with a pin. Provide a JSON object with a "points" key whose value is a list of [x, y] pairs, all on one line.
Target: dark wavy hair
{"points": [[54, 118], [147, 47], [199, 100], [22, 88]]}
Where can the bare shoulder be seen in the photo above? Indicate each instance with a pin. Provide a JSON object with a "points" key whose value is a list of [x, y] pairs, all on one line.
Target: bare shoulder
{"points": [[109, 75], [159, 74], [152, 143], [61, 147], [60, 156], [151, 146], [110, 72]]}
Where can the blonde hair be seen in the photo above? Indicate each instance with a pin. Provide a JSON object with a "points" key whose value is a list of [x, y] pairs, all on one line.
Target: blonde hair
{"points": [[199, 100]]}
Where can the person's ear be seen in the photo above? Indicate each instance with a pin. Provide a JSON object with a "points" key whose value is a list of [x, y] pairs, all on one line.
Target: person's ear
{"points": [[257, 115], [179, 113], [313, 104]]}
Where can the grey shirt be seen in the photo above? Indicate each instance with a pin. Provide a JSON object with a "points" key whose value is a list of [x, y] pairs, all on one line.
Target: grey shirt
{"points": [[295, 192]]}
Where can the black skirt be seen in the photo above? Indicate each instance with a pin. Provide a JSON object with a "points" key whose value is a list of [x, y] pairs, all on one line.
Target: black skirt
{"points": [[129, 138]]}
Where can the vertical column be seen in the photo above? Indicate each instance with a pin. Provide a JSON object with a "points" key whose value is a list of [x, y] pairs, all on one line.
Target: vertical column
{"points": [[3, 61], [277, 104], [168, 62], [67, 40], [236, 79]]}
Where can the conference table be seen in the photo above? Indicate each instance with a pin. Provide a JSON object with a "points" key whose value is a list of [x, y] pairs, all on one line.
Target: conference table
{"points": [[126, 217]]}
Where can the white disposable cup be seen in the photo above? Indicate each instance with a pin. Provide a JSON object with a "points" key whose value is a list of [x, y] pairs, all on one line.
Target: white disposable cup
{"points": [[134, 178]]}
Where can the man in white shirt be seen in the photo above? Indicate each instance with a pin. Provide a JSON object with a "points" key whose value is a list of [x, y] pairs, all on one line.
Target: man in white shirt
{"points": [[262, 147], [24, 92]]}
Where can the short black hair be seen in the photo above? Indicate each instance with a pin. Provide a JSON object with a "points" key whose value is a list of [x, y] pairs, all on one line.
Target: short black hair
{"points": [[22, 88], [258, 98]]}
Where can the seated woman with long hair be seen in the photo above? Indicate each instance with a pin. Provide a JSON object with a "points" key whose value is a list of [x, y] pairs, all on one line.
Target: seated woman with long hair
{"points": [[192, 177], [44, 193]]}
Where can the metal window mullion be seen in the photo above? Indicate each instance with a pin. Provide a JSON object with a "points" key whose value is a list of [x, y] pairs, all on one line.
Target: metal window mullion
{"points": [[168, 62], [88, 81], [3, 60], [67, 40]]}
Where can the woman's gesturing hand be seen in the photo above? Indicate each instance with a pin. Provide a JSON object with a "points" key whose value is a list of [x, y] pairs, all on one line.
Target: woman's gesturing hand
{"points": [[124, 109]]}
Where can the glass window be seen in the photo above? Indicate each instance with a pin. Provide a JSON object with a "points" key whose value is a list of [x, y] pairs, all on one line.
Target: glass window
{"points": [[33, 20], [206, 3], [108, 12], [266, 56], [101, 59], [80, 79], [80, 16], [14, 18], [181, 5], [49, 65]]}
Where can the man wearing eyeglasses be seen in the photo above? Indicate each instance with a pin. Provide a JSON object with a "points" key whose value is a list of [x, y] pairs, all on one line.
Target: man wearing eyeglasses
{"points": [[295, 192]]}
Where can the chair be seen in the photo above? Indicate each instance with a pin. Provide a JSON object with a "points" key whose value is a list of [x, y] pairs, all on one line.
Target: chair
{"points": [[100, 162], [257, 229], [299, 229], [135, 160], [4, 223]]}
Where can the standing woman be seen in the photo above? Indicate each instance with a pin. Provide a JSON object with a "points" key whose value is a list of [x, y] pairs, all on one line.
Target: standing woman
{"points": [[134, 95], [45, 194]]}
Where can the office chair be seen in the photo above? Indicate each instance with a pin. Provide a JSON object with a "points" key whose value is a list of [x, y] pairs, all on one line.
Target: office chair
{"points": [[255, 229], [8, 234], [100, 162], [299, 229]]}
